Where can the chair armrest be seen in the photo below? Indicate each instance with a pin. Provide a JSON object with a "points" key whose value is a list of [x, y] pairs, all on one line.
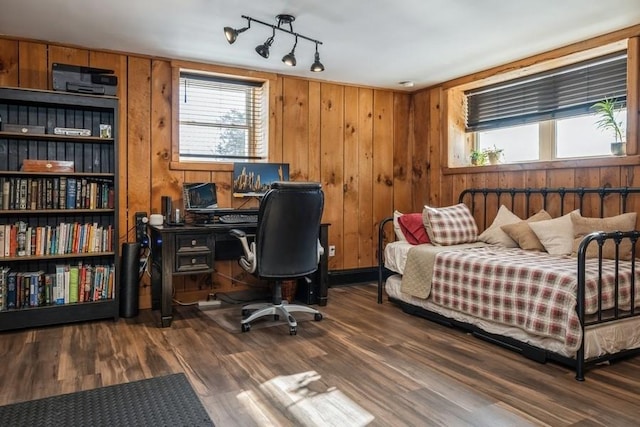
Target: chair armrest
{"points": [[237, 233], [248, 260], [320, 251]]}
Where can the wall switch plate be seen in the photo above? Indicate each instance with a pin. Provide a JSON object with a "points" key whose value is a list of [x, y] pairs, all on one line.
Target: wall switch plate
{"points": [[332, 250]]}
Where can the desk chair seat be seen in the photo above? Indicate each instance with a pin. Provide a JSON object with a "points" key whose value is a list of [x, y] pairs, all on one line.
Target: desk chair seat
{"points": [[286, 246]]}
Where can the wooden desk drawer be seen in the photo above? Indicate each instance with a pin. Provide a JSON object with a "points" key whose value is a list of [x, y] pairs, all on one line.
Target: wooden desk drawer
{"points": [[194, 261], [194, 242]]}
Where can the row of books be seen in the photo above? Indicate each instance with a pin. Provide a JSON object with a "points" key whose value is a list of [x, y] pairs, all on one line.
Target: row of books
{"points": [[68, 285], [20, 239], [56, 193]]}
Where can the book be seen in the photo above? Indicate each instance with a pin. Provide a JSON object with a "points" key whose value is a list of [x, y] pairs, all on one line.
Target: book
{"points": [[59, 284], [55, 193], [71, 193], [2, 255], [5, 193], [67, 288], [12, 290], [62, 193], [33, 193], [49, 279], [4, 271], [22, 197], [73, 283], [7, 239]]}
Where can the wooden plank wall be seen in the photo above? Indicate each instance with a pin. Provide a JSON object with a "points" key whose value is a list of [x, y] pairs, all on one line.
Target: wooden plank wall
{"points": [[438, 123], [357, 141]]}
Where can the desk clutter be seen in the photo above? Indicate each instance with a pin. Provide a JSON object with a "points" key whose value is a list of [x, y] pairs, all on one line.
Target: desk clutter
{"points": [[224, 217]]}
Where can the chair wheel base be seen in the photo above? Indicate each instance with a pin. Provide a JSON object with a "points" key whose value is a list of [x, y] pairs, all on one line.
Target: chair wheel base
{"points": [[293, 330], [317, 317], [246, 327]]}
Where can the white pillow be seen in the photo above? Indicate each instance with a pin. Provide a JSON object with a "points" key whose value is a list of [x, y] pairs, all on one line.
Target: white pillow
{"points": [[396, 226], [556, 235], [494, 235]]}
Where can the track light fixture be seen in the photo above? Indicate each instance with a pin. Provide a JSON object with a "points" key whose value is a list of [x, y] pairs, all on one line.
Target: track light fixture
{"points": [[231, 35]]}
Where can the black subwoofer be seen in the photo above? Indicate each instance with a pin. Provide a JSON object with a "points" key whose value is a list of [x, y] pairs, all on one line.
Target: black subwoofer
{"points": [[129, 283]]}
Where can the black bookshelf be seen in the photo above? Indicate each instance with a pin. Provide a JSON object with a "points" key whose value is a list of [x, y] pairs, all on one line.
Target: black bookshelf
{"points": [[31, 130]]}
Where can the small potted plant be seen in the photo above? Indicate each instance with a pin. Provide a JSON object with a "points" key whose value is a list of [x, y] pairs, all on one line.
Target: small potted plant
{"points": [[478, 158], [607, 111], [493, 154]]}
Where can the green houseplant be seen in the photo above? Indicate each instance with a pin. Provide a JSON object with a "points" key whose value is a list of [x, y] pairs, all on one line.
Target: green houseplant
{"points": [[607, 111], [478, 157]]}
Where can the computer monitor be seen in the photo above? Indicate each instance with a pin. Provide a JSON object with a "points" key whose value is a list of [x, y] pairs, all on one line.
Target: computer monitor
{"points": [[200, 197], [254, 179]]}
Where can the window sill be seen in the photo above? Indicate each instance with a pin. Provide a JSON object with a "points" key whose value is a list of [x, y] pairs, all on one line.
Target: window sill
{"points": [[631, 160], [201, 166]]}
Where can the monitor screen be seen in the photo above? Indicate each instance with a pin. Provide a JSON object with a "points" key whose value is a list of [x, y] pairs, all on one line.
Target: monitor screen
{"points": [[200, 196], [254, 179]]}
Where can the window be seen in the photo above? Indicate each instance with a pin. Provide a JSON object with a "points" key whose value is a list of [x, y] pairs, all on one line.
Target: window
{"points": [[221, 119], [548, 115]]}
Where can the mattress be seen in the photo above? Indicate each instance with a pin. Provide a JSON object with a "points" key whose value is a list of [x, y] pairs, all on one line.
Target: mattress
{"points": [[599, 340]]}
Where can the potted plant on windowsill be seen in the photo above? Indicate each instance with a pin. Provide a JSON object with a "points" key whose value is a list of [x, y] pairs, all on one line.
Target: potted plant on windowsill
{"points": [[607, 111], [493, 154], [478, 158]]}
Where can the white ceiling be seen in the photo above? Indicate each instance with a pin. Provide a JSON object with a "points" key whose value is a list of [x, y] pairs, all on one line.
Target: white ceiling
{"points": [[366, 42]]}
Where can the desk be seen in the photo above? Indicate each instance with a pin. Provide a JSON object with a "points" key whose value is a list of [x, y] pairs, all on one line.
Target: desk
{"points": [[193, 250]]}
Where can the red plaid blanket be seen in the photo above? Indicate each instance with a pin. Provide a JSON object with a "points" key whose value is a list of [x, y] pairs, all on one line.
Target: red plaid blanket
{"points": [[530, 290]]}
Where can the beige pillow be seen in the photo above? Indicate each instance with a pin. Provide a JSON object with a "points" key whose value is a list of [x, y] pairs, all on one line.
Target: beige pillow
{"points": [[522, 234], [556, 235], [583, 226], [396, 226], [494, 235]]}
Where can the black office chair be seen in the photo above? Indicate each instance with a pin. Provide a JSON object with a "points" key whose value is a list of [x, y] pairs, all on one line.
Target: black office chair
{"points": [[286, 246]]}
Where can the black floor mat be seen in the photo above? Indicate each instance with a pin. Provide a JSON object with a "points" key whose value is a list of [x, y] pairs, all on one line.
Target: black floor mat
{"points": [[161, 401]]}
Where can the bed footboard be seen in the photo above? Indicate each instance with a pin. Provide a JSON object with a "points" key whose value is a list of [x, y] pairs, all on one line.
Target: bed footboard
{"points": [[602, 315]]}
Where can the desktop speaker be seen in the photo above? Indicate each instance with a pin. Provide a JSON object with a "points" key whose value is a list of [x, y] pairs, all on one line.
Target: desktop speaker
{"points": [[167, 206], [129, 283]]}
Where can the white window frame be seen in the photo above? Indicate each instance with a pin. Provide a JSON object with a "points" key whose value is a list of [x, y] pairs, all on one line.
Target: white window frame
{"points": [[263, 129]]}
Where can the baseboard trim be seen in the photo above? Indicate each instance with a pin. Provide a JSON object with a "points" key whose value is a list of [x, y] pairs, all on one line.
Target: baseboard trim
{"points": [[353, 276]]}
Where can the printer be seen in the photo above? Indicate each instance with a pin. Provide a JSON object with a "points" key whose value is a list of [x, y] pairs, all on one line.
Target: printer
{"points": [[75, 78]]}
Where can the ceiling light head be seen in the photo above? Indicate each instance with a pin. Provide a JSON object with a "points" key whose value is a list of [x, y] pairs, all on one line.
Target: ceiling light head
{"points": [[317, 66], [231, 34], [263, 49], [290, 58]]}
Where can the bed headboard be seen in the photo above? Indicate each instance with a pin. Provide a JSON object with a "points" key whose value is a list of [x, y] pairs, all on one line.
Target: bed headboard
{"points": [[592, 201]]}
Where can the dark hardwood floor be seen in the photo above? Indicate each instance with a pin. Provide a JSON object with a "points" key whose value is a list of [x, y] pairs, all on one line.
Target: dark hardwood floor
{"points": [[364, 364]]}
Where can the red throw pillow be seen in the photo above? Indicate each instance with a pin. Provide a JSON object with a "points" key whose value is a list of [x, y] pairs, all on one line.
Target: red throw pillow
{"points": [[413, 228]]}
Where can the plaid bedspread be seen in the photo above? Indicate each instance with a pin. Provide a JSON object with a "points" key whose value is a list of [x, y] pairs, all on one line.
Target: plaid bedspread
{"points": [[530, 290]]}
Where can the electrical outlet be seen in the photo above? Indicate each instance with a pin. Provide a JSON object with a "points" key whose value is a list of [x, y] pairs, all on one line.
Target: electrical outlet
{"points": [[141, 227], [332, 250]]}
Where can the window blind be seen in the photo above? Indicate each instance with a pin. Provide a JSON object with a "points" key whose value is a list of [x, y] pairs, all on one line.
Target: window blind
{"points": [[564, 92], [221, 119]]}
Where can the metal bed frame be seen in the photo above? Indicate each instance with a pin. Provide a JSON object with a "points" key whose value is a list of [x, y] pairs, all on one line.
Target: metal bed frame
{"points": [[580, 364]]}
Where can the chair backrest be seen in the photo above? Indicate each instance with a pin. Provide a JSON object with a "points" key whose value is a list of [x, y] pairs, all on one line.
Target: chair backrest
{"points": [[287, 230]]}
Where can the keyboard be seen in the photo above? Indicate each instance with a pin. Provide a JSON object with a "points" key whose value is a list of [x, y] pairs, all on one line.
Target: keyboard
{"points": [[238, 219]]}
